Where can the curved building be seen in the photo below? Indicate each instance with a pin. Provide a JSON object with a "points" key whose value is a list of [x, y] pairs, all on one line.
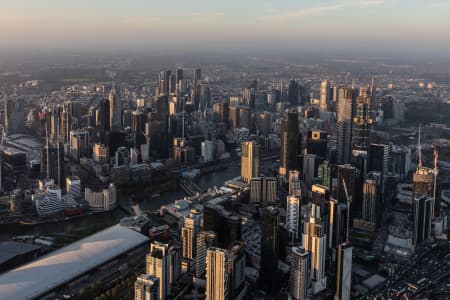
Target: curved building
{"points": [[103, 200]]}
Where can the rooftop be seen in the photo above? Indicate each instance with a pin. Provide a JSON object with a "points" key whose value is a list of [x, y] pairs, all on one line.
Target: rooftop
{"points": [[10, 249], [61, 266]]}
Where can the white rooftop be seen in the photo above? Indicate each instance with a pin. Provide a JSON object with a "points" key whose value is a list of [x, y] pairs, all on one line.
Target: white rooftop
{"points": [[63, 265]]}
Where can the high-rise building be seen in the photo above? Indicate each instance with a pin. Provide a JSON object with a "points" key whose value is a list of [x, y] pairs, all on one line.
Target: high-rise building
{"points": [[270, 240], [423, 184], [316, 143], [314, 241], [227, 225], [344, 125], [362, 122], [263, 190], [293, 93], [204, 97], [138, 122], [290, 143], [320, 196], [337, 224], [14, 114], [159, 135], [370, 201], [165, 82], [217, 274], [325, 95], [73, 187], [309, 170], [197, 76], [146, 287], [293, 216], [400, 161], [158, 264], [324, 174], [379, 158], [189, 232], [295, 187], [52, 163], [79, 144], [104, 122], [343, 272], [300, 274], [115, 110], [249, 161], [348, 174], [422, 213], [236, 267], [179, 75], [223, 109], [205, 240]]}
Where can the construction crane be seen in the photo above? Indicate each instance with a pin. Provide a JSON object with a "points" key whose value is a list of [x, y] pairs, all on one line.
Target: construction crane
{"points": [[349, 201]]}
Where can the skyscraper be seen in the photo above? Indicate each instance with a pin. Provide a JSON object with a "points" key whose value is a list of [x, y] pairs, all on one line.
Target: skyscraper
{"points": [[343, 272], [314, 241], [146, 287], [362, 122], [370, 201], [293, 216], [52, 163], [300, 278], [422, 214], [236, 267], [379, 158], [249, 161], [159, 134], [268, 277], [205, 240], [217, 274], [115, 110], [346, 173], [338, 223], [295, 187], [290, 141], [324, 174], [158, 263], [293, 93], [263, 189], [316, 143], [164, 82], [189, 232], [423, 184], [344, 125], [227, 225], [104, 119], [309, 170], [14, 114], [197, 76], [325, 95]]}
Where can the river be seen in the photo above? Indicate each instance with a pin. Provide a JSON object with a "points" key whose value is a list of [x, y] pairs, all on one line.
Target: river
{"points": [[104, 220]]}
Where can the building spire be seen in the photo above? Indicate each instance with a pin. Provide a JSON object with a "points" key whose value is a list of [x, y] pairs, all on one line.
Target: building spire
{"points": [[419, 146]]}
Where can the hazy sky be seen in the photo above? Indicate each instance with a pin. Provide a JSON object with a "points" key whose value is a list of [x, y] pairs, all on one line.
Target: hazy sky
{"points": [[227, 24]]}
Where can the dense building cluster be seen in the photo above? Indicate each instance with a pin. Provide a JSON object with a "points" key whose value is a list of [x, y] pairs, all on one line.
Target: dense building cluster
{"points": [[323, 189]]}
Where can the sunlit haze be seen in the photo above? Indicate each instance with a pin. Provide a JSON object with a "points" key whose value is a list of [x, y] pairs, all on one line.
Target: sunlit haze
{"points": [[376, 25]]}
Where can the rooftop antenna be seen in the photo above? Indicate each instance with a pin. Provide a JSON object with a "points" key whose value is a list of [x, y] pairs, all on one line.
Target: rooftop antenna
{"points": [[57, 149], [419, 146], [435, 173], [48, 155]]}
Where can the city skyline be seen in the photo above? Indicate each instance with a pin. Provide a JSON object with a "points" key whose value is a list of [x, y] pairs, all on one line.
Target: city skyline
{"points": [[338, 25]]}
